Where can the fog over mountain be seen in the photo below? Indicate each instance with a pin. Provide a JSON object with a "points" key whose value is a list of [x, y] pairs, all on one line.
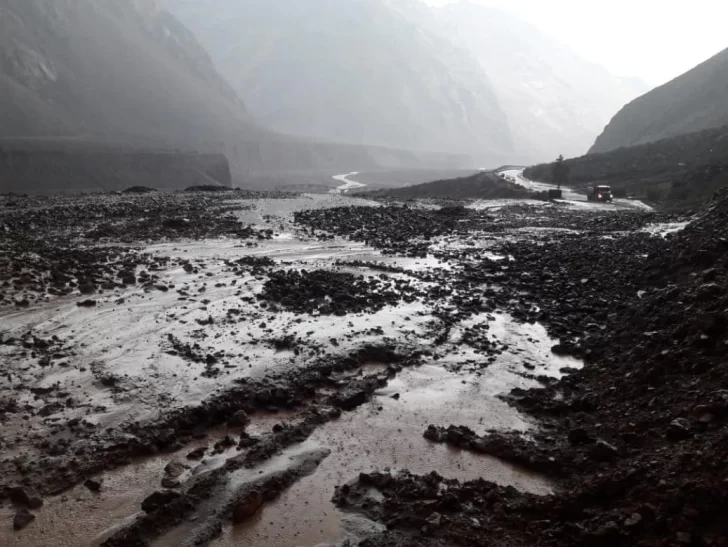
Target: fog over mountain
{"points": [[299, 85], [462, 78], [353, 71], [127, 73], [695, 101], [556, 101], [112, 69]]}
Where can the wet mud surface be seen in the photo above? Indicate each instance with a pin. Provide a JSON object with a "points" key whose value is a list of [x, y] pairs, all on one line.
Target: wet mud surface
{"points": [[234, 369]]}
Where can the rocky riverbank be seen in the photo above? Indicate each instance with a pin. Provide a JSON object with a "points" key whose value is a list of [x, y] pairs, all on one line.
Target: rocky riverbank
{"points": [[241, 344]]}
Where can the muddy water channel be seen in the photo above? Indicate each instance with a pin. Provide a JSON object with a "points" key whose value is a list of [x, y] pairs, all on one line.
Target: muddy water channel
{"points": [[206, 325]]}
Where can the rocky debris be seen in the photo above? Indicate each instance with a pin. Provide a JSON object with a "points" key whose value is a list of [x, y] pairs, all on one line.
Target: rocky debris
{"points": [[633, 441], [510, 447], [209, 188], [640, 429], [22, 519], [23, 496], [158, 500], [197, 453], [247, 507], [329, 293], [239, 419], [400, 230], [138, 190], [93, 484]]}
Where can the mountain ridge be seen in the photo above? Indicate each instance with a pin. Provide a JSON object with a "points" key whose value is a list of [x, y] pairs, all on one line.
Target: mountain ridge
{"points": [[694, 101]]}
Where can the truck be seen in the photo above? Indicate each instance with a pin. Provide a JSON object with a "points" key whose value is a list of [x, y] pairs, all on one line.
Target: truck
{"points": [[600, 193]]}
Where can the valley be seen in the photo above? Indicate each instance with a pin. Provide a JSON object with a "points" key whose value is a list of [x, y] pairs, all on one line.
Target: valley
{"points": [[292, 347]]}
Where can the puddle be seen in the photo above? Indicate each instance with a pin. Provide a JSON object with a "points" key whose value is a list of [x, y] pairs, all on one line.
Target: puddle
{"points": [[386, 433], [128, 338], [80, 517]]}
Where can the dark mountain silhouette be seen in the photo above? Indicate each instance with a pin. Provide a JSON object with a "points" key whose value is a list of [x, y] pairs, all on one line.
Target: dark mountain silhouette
{"points": [[681, 171]]}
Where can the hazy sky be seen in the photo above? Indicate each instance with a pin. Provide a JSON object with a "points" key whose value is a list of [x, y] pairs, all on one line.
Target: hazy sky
{"points": [[655, 40]]}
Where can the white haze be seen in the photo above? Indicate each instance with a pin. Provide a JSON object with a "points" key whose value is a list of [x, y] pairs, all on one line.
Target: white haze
{"points": [[655, 40]]}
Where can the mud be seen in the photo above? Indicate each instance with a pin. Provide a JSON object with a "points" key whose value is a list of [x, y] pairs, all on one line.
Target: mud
{"points": [[225, 368]]}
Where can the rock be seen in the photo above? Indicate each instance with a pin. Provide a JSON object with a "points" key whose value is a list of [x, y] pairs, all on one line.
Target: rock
{"points": [[93, 485], [608, 529], [679, 429], [432, 433], [239, 419], [434, 520], [87, 288], [22, 519], [633, 520], [168, 482], [454, 436], [159, 499], [603, 451], [197, 454], [351, 399], [174, 469], [579, 436], [22, 496], [247, 507]]}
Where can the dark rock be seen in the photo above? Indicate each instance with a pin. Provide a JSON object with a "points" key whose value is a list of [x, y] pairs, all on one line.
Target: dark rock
{"points": [[93, 485], [22, 519], [679, 429], [603, 451], [87, 288], [197, 454], [159, 499], [239, 419], [174, 469], [247, 507], [23, 496], [579, 436]]}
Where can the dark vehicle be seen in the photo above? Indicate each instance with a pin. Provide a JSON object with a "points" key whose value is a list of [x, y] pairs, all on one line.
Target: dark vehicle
{"points": [[601, 193]]}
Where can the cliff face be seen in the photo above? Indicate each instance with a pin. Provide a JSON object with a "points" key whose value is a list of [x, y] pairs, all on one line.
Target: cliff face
{"points": [[114, 69], [695, 101]]}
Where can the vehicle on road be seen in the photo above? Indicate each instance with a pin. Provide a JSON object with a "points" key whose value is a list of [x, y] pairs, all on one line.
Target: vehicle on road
{"points": [[601, 193]]}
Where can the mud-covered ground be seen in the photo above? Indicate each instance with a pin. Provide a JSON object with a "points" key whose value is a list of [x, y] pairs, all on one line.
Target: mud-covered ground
{"points": [[236, 369]]}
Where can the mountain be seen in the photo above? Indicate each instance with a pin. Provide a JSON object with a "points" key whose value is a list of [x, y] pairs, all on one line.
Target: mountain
{"points": [[122, 70], [127, 74], [695, 101], [676, 172], [351, 71], [556, 102], [484, 185]]}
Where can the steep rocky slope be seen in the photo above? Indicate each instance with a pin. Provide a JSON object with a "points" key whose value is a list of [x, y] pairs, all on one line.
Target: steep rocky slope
{"points": [[681, 171], [692, 102], [118, 70], [126, 74], [356, 72]]}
